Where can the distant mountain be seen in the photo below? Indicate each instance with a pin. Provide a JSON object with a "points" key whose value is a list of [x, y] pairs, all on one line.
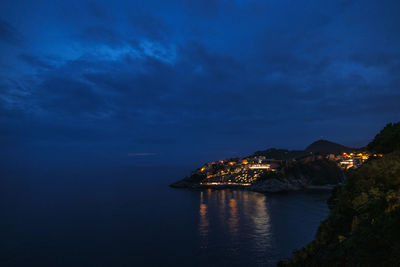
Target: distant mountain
{"points": [[327, 147], [320, 146]]}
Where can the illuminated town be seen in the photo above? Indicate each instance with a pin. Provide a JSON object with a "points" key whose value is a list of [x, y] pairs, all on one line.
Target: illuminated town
{"points": [[244, 172], [237, 171], [352, 160]]}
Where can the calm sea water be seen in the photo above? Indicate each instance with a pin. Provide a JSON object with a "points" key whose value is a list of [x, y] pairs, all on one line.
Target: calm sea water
{"points": [[130, 217]]}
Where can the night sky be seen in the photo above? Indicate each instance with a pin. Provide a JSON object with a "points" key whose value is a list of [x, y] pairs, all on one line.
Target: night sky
{"points": [[193, 81]]}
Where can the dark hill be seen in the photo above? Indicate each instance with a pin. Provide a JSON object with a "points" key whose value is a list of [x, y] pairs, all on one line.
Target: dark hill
{"points": [[320, 146], [325, 146]]}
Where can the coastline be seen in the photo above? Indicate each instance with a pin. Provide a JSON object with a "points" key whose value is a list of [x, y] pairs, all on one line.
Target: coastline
{"points": [[255, 188]]}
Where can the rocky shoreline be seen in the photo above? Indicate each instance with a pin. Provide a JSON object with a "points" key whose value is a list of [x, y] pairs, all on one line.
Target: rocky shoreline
{"points": [[268, 186], [276, 186]]}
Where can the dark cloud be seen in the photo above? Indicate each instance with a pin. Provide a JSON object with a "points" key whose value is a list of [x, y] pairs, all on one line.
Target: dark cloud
{"points": [[206, 75], [150, 26], [35, 61], [98, 11], [381, 104], [65, 95], [9, 34], [208, 8], [101, 35], [386, 59]]}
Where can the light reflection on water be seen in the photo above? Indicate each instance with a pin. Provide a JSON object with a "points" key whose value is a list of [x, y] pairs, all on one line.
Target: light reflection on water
{"points": [[226, 215], [203, 224], [111, 219]]}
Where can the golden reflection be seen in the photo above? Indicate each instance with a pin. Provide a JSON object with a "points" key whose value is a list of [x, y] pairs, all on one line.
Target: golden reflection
{"points": [[232, 212], [233, 216], [221, 205], [261, 222], [203, 210], [203, 225]]}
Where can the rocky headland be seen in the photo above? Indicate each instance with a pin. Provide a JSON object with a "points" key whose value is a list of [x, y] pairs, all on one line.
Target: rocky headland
{"points": [[321, 165]]}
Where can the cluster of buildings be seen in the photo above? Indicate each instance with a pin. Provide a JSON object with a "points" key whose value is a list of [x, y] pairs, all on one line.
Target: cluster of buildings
{"points": [[237, 171], [245, 171], [351, 160]]}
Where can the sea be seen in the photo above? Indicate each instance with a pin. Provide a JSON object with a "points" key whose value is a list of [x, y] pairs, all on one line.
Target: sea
{"points": [[129, 216]]}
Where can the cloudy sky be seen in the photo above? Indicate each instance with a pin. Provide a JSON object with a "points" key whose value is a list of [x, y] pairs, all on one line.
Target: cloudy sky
{"points": [[192, 81]]}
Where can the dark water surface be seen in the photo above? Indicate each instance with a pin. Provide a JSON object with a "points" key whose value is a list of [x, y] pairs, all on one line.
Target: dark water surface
{"points": [[130, 217]]}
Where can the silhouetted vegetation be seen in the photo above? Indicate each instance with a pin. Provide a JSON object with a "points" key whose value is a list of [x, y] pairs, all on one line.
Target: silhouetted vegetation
{"points": [[270, 175], [363, 228], [320, 171], [388, 140], [196, 178]]}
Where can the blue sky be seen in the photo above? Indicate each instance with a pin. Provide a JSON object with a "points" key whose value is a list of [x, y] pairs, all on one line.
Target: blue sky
{"points": [[192, 81]]}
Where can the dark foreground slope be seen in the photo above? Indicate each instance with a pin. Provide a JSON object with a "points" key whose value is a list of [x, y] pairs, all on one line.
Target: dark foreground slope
{"points": [[363, 228]]}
